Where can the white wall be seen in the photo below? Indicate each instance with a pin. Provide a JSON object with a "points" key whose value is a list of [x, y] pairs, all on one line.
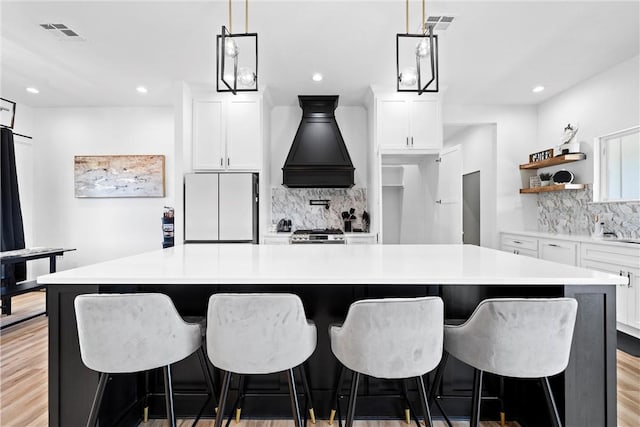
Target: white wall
{"points": [[516, 138], [478, 145], [352, 122], [100, 229], [606, 103]]}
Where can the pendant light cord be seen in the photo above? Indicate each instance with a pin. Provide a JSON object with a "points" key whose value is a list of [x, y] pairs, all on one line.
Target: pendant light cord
{"points": [[407, 17], [423, 21], [230, 19], [246, 16]]}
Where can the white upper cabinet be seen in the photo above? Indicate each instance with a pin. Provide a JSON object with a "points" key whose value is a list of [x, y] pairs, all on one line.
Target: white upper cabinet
{"points": [[227, 133], [208, 134], [408, 122]]}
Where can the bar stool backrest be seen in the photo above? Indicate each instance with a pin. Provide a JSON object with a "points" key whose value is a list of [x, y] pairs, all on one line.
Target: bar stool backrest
{"points": [[121, 333], [519, 337], [392, 337], [258, 333]]}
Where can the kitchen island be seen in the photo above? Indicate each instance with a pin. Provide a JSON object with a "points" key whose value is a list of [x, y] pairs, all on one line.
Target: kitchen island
{"points": [[329, 278]]}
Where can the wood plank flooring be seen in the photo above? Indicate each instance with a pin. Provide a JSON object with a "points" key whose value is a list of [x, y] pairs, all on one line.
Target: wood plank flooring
{"points": [[27, 305], [24, 376]]}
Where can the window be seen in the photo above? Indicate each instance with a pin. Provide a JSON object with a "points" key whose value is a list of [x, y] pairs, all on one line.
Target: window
{"points": [[617, 166]]}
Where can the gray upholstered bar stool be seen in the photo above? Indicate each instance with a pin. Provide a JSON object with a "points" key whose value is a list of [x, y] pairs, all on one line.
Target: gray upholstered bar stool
{"points": [[514, 337], [126, 333], [250, 334], [393, 338]]}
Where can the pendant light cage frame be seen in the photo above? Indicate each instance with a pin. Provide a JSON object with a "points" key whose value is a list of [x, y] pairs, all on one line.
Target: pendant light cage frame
{"points": [[222, 62], [433, 82]]}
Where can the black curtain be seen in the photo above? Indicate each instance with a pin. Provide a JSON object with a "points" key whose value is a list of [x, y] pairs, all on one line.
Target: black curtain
{"points": [[10, 212]]}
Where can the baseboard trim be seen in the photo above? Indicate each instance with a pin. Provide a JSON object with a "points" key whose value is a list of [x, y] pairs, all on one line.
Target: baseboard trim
{"points": [[628, 344]]}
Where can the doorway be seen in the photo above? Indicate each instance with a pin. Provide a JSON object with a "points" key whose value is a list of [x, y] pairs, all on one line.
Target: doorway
{"points": [[471, 208]]}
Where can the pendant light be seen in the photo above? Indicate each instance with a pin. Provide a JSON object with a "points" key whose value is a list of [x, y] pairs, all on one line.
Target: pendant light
{"points": [[237, 57], [417, 58]]}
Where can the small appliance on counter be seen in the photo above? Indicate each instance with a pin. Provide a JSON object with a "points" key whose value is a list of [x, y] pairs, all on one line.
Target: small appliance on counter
{"points": [[327, 235], [284, 226]]}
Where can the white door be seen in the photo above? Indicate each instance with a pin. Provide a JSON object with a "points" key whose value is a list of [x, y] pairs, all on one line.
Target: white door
{"points": [[448, 216], [392, 123], [425, 126], [208, 135], [201, 206], [243, 135], [236, 206]]}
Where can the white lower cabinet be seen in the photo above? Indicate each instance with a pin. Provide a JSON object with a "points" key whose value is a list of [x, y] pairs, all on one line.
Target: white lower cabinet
{"points": [[624, 262], [354, 239], [558, 251], [276, 240], [519, 245]]}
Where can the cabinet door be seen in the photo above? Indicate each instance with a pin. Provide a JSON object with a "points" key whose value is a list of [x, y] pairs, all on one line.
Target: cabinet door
{"points": [[236, 206], [448, 214], [425, 124], [208, 135], [244, 139], [201, 206], [558, 251], [392, 123], [360, 240], [622, 291]]}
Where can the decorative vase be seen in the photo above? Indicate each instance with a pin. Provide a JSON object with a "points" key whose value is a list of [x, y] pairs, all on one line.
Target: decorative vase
{"points": [[347, 226]]}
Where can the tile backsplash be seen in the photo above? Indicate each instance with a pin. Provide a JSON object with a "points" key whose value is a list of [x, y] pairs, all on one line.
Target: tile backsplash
{"points": [[572, 212], [293, 204]]}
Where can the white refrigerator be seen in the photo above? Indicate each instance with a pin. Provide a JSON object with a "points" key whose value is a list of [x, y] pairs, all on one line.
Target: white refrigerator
{"points": [[221, 207]]}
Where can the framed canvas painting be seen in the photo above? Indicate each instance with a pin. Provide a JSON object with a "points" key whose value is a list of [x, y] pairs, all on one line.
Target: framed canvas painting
{"points": [[119, 176], [7, 113]]}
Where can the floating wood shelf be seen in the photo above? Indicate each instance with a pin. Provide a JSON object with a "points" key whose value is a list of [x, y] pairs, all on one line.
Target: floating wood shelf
{"points": [[565, 158], [557, 187]]}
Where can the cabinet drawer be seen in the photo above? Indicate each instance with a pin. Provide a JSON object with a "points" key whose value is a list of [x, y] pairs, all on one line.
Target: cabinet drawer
{"points": [[558, 251], [361, 240], [276, 240], [624, 257], [520, 251], [521, 242]]}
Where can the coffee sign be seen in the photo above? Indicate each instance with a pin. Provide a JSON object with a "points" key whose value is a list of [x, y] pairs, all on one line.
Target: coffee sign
{"points": [[541, 155]]}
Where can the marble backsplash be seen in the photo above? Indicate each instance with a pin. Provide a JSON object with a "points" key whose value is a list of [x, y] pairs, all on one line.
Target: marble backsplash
{"points": [[293, 204], [572, 212]]}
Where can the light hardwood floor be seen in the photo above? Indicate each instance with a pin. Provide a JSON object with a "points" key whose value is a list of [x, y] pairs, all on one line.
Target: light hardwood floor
{"points": [[24, 376]]}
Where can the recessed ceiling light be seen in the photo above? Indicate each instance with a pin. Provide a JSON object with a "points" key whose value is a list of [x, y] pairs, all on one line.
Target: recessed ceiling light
{"points": [[32, 90], [537, 89], [317, 77], [142, 89]]}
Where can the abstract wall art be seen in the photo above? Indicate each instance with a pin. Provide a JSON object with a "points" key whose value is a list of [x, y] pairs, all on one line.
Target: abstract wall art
{"points": [[119, 176]]}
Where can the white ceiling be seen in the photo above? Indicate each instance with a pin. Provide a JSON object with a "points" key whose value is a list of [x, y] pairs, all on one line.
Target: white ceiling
{"points": [[494, 52]]}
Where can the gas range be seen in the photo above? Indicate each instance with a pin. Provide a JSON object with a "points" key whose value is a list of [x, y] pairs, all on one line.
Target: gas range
{"points": [[327, 235]]}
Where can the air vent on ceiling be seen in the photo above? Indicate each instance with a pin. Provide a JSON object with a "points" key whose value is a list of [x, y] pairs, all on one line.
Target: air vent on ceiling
{"points": [[439, 23], [61, 32]]}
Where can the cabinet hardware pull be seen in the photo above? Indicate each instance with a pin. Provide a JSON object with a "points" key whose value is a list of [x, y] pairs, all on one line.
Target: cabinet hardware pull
{"points": [[221, 161], [228, 161], [412, 141], [621, 273], [629, 277], [517, 242], [554, 245], [407, 142], [439, 202]]}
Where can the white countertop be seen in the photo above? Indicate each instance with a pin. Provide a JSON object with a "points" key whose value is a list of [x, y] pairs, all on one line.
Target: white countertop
{"points": [[329, 264], [582, 238]]}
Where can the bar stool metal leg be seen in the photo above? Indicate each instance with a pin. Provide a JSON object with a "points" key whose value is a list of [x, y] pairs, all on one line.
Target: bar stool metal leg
{"points": [[168, 396], [425, 404], [553, 410], [307, 393], [97, 400], [210, 385], [336, 395], [476, 399], [224, 391], [437, 380], [353, 394], [295, 406]]}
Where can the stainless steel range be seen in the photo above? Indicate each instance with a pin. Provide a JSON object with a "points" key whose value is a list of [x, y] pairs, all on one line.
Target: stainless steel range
{"points": [[327, 235]]}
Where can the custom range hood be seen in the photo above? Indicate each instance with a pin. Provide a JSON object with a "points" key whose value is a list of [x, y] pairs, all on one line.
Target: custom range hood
{"points": [[318, 157]]}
